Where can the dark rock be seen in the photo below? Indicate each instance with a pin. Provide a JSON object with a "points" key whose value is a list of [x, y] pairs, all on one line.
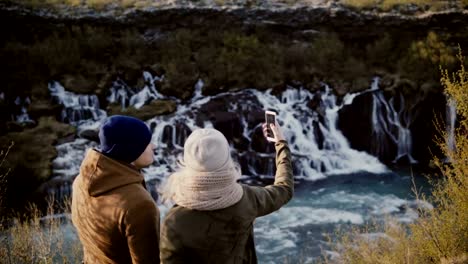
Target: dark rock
{"points": [[355, 122], [155, 108], [39, 108], [228, 123], [30, 159], [424, 130], [182, 131], [91, 134], [314, 103], [77, 83]]}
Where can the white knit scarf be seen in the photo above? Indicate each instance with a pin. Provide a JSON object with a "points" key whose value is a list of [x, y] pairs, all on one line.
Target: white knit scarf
{"points": [[205, 191]]}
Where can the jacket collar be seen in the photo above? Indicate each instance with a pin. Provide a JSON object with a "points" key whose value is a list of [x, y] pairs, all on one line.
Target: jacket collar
{"points": [[102, 174]]}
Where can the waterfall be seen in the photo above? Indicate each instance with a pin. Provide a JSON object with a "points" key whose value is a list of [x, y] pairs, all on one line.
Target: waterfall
{"points": [[318, 147], [391, 126], [316, 159], [197, 94], [78, 109], [126, 96], [22, 116], [451, 118]]}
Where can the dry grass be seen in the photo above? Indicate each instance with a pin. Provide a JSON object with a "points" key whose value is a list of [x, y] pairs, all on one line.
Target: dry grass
{"points": [[98, 4], [127, 3], [33, 239], [439, 235], [387, 5], [361, 4]]}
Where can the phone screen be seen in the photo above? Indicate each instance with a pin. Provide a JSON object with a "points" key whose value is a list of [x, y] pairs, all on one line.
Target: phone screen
{"points": [[270, 119]]}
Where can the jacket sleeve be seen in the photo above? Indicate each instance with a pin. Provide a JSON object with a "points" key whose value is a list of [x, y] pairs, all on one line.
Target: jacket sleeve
{"points": [[171, 246], [270, 198], [142, 232]]}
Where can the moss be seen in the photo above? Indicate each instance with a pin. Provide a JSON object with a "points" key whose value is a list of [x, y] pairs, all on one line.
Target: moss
{"points": [[31, 157], [155, 108]]}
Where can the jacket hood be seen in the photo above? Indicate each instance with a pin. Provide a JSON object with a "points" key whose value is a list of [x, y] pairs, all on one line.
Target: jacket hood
{"points": [[102, 174]]}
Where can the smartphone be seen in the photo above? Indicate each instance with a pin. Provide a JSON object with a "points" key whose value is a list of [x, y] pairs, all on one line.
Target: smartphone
{"points": [[270, 118]]}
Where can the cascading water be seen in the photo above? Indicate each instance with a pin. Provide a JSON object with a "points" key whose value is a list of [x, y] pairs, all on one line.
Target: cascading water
{"points": [[78, 109], [339, 185], [391, 126], [451, 118], [126, 96], [22, 116]]}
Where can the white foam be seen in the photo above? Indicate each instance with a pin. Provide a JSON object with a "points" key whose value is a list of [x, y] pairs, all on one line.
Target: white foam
{"points": [[297, 216], [69, 158]]}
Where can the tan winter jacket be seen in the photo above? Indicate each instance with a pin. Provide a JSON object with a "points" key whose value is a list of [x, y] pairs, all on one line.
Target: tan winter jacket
{"points": [[116, 219], [226, 235]]}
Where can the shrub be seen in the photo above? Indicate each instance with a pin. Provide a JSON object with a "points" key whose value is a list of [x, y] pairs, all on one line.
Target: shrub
{"points": [[423, 58], [35, 239]]}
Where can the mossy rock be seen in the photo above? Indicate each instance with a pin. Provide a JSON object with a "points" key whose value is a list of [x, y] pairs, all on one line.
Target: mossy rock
{"points": [[30, 158], [34, 147], [155, 108], [78, 83]]}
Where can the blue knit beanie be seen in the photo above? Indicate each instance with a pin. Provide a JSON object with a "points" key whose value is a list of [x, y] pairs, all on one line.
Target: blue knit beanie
{"points": [[124, 138]]}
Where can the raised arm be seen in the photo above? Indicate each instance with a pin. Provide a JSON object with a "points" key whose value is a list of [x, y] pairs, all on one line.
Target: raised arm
{"points": [[270, 198]]}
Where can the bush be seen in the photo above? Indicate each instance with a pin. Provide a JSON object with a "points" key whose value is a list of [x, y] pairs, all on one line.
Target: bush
{"points": [[35, 239], [439, 235], [423, 57]]}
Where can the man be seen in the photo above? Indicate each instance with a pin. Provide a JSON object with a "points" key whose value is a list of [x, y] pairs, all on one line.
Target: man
{"points": [[116, 218]]}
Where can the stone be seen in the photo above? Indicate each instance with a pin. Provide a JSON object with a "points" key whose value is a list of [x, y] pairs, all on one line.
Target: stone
{"points": [[78, 83], [154, 108], [30, 158]]}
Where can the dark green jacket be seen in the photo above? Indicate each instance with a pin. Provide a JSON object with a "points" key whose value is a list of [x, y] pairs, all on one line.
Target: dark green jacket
{"points": [[225, 235]]}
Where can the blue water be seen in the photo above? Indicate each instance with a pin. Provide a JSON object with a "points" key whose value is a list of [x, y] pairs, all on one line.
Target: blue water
{"points": [[298, 232]]}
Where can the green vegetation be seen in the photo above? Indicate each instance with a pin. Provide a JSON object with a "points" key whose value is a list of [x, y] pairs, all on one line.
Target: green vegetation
{"points": [[88, 58], [439, 235]]}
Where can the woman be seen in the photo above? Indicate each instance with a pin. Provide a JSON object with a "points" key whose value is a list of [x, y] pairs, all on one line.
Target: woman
{"points": [[212, 219]]}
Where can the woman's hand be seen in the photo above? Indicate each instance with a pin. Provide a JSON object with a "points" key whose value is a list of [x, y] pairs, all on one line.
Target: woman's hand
{"points": [[276, 129]]}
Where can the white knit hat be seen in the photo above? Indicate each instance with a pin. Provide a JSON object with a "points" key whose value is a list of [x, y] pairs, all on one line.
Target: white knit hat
{"points": [[208, 177]]}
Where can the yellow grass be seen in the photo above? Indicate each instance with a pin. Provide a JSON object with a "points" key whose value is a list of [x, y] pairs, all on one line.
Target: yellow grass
{"points": [[98, 4], [32, 239], [127, 3], [387, 5], [361, 3]]}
